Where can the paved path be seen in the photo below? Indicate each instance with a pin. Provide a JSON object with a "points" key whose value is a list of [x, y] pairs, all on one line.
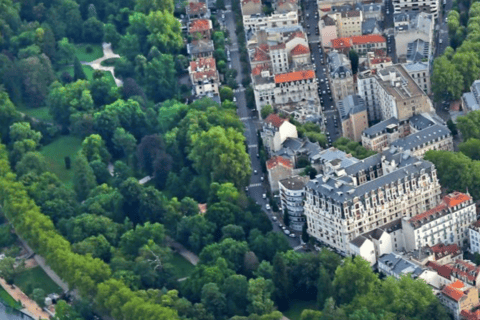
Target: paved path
{"points": [[107, 54], [189, 255], [29, 306], [144, 180]]}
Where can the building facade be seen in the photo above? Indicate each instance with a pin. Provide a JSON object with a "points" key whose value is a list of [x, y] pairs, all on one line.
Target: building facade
{"points": [[292, 195], [420, 73], [427, 6], [275, 131], [251, 7], [474, 236], [295, 86], [204, 76], [278, 168], [353, 114], [349, 23], [340, 75], [456, 297]]}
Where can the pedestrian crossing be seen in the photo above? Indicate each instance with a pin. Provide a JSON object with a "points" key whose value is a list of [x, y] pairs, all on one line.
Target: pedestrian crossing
{"points": [[245, 118], [239, 90], [255, 185], [252, 145]]}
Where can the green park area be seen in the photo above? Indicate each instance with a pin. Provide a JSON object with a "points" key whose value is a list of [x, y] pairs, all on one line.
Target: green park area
{"points": [[55, 153], [7, 299], [297, 306], [41, 113], [88, 55], [34, 278], [182, 267]]}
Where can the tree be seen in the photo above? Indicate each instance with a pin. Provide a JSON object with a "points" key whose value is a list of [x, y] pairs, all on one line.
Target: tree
{"points": [[471, 148], [38, 296], [305, 235], [353, 55], [259, 292], [266, 111], [332, 312], [311, 315], [124, 142], [281, 282], [84, 178], [93, 148], [31, 162], [63, 311], [100, 170], [153, 158], [233, 231], [165, 31], [65, 52], [235, 289], [264, 270], [7, 238], [452, 127], [325, 288], [93, 30], [111, 35], [36, 74], [133, 240], [8, 114], [146, 6], [8, 271], [447, 81], [213, 300], [226, 93], [78, 73]]}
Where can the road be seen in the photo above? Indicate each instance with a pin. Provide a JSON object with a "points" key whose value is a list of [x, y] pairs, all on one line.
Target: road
{"points": [[256, 188], [442, 31], [318, 56]]}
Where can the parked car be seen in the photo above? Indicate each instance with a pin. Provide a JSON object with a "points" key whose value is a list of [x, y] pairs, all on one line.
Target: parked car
{"points": [[234, 99], [274, 218], [255, 172], [292, 235], [264, 196], [262, 178], [287, 232], [246, 189], [267, 206]]}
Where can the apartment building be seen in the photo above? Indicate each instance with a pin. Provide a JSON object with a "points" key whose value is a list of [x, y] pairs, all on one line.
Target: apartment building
{"points": [[278, 168], [367, 195], [414, 40], [361, 44], [263, 86], [328, 31], [471, 100], [250, 7], [285, 6], [204, 76], [382, 134], [200, 49], [197, 10], [292, 195], [447, 222], [295, 86], [296, 149], [256, 22], [275, 131], [279, 58], [372, 11], [474, 236], [392, 92], [420, 73], [340, 75], [395, 265], [200, 29], [349, 23], [353, 115], [425, 6], [436, 137], [456, 297]]}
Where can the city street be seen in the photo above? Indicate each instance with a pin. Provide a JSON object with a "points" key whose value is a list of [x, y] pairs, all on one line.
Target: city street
{"points": [[441, 40], [249, 118]]}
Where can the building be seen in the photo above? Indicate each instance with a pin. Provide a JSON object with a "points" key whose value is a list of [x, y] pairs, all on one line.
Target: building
{"points": [[414, 41], [204, 76], [200, 29], [474, 236], [372, 11], [368, 194], [393, 93], [340, 75], [426, 6], [473, 314], [296, 149], [197, 10], [295, 86], [382, 134], [285, 6], [353, 115], [349, 23], [394, 265], [377, 60], [275, 131], [471, 100], [250, 7], [328, 31], [300, 55], [292, 195], [436, 137], [200, 49], [257, 21], [370, 26], [361, 44], [330, 160], [420, 73], [456, 297], [447, 222], [363, 247], [278, 168], [440, 254], [279, 58], [263, 86]]}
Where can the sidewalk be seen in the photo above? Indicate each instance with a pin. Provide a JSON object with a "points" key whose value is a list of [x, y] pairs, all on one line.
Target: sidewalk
{"points": [[190, 256], [30, 306]]}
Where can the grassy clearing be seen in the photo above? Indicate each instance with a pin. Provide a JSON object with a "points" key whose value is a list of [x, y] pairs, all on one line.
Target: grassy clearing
{"points": [[84, 56], [36, 278], [183, 268], [88, 72], [296, 308], [55, 154], [37, 113], [8, 299], [109, 62]]}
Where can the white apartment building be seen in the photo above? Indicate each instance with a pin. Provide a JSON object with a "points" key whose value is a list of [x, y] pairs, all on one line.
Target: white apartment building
{"points": [[420, 73], [447, 222], [275, 131], [292, 195], [295, 86], [474, 236], [427, 6], [414, 41], [367, 195], [340, 75], [257, 22], [279, 58], [263, 87], [204, 76]]}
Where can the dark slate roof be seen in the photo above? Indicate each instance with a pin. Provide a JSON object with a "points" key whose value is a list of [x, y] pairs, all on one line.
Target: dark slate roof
{"points": [[294, 183], [358, 241], [418, 50], [417, 139], [350, 105], [399, 265], [200, 46], [369, 25], [338, 64], [420, 122], [380, 127]]}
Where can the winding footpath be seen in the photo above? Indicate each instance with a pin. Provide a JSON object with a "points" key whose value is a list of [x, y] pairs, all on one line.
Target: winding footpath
{"points": [[107, 54]]}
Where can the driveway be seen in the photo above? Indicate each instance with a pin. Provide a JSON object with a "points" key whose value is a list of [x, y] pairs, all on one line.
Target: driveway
{"points": [[107, 54]]}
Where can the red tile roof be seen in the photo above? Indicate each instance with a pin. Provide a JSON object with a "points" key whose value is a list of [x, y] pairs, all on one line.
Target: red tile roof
{"points": [[204, 75], [295, 34], [465, 270], [278, 160], [206, 63], [380, 60], [294, 76], [452, 292], [194, 7], [351, 13], [457, 284], [326, 9], [444, 271], [259, 68], [199, 25], [275, 120], [341, 43], [261, 53], [442, 250], [278, 46], [428, 213], [470, 315], [371, 38], [456, 198], [300, 49]]}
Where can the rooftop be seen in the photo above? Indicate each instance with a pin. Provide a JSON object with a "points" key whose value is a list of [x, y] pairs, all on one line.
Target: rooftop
{"points": [[398, 83], [351, 105], [196, 7], [453, 291], [400, 266], [422, 137], [275, 120], [300, 49], [359, 241], [380, 127], [418, 51], [277, 160], [262, 53], [294, 76], [351, 14], [370, 38], [203, 64], [339, 65], [200, 46], [443, 270], [294, 183], [199, 25]]}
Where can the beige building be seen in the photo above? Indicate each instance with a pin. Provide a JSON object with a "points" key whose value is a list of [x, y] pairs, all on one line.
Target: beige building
{"points": [[367, 195], [204, 76], [420, 73], [361, 44], [456, 297], [353, 114], [251, 7], [295, 86], [349, 23], [328, 31], [382, 134], [275, 131], [340, 75], [415, 38], [278, 168]]}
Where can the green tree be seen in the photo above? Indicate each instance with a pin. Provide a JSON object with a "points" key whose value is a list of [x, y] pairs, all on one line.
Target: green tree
{"points": [[281, 282], [235, 289], [468, 125], [471, 148], [31, 162], [8, 114], [124, 142], [8, 270], [305, 235], [214, 300], [165, 31], [78, 73], [226, 93], [332, 312], [7, 238], [38, 296], [310, 315], [266, 111], [65, 52], [93, 30], [36, 75], [353, 55], [146, 6], [63, 311], [325, 288], [93, 148], [84, 178], [233, 231], [447, 81], [259, 292]]}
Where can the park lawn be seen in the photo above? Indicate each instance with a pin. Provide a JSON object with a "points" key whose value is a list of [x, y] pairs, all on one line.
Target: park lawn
{"points": [[36, 278], [83, 56], [55, 154], [183, 268], [8, 299], [88, 72], [37, 113], [297, 307]]}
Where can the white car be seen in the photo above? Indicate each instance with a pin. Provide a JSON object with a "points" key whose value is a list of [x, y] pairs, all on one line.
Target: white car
{"points": [[287, 232], [267, 206], [264, 196], [274, 218], [234, 99], [292, 235]]}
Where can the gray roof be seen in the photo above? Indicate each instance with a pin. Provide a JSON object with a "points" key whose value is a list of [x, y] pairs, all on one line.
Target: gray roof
{"points": [[294, 183], [420, 122], [201, 46], [422, 137], [339, 64], [400, 266], [333, 154], [358, 241], [416, 66], [380, 127], [369, 25], [293, 147], [350, 105], [418, 50], [406, 165], [470, 101], [372, 7]]}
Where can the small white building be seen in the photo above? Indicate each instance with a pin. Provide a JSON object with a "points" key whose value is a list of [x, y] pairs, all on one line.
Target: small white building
{"points": [[474, 236], [292, 195], [275, 131]]}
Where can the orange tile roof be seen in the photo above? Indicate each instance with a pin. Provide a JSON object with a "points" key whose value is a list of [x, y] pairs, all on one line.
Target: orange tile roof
{"points": [[195, 7], [210, 74], [207, 63], [466, 270], [259, 68], [452, 292], [341, 43], [294, 76], [456, 198], [278, 160], [278, 46], [442, 250], [428, 213], [457, 284], [275, 120], [202, 207], [470, 315], [444, 271], [371, 38], [199, 25], [296, 34], [261, 53], [380, 60], [300, 49]]}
